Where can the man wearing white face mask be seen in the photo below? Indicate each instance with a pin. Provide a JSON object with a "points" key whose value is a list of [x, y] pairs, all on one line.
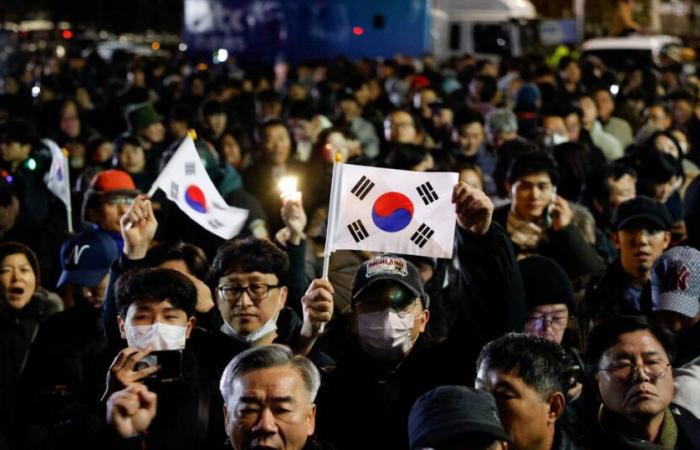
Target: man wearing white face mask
{"points": [[249, 279], [157, 314], [391, 308], [554, 129], [388, 361]]}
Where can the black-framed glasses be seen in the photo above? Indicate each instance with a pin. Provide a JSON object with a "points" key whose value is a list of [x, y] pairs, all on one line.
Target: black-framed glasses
{"points": [[256, 291], [625, 371]]}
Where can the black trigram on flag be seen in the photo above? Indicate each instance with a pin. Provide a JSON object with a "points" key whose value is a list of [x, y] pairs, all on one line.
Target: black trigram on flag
{"points": [[358, 231], [362, 187], [427, 193], [174, 189], [215, 223], [190, 168], [422, 235]]}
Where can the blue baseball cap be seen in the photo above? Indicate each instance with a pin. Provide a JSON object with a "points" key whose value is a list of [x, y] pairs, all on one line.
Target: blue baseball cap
{"points": [[86, 258]]}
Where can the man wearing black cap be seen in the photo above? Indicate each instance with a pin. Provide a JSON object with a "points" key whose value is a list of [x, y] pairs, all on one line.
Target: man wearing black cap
{"points": [[388, 361], [641, 233], [456, 418]]}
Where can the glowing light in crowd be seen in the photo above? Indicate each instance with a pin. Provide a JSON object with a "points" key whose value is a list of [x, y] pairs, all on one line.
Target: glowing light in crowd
{"points": [[221, 55], [36, 90], [155, 45], [182, 47], [67, 34], [288, 188], [358, 31], [60, 51]]}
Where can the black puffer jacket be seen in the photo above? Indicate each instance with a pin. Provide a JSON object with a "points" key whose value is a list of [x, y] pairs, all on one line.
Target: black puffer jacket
{"points": [[378, 397], [18, 328]]}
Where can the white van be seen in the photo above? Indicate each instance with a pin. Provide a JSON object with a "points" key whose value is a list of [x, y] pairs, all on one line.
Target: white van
{"points": [[630, 52]]}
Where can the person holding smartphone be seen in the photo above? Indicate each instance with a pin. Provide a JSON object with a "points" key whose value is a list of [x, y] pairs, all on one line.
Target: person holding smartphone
{"points": [[156, 308], [540, 222]]}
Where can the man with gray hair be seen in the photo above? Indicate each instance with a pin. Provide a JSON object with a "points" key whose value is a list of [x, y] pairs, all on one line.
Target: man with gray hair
{"points": [[268, 394], [501, 127], [269, 398]]}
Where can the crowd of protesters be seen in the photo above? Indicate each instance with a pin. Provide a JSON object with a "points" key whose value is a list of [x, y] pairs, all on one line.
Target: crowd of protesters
{"points": [[568, 317]]}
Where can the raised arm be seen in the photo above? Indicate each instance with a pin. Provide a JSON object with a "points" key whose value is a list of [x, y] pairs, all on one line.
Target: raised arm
{"points": [[492, 298]]}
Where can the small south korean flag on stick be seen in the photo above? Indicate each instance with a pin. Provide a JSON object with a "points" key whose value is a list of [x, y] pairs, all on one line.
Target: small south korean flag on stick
{"points": [[394, 211], [185, 181], [57, 178]]}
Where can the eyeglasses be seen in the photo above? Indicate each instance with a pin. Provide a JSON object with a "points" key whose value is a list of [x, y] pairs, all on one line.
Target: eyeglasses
{"points": [[623, 371], [256, 291], [121, 200], [541, 321]]}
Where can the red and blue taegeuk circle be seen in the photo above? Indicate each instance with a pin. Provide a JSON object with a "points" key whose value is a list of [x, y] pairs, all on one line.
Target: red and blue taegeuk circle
{"points": [[392, 212], [194, 197]]}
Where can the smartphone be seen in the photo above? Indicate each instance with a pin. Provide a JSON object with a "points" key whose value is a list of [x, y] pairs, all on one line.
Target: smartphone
{"points": [[170, 362], [550, 209]]}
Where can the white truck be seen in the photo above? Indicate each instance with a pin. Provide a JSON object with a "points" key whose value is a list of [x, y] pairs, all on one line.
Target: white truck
{"points": [[482, 27]]}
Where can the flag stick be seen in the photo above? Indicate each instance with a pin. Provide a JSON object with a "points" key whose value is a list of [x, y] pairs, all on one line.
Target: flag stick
{"points": [[330, 225], [151, 191], [332, 213], [69, 206], [69, 218]]}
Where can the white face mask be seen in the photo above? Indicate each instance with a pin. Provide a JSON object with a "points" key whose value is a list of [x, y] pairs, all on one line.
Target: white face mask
{"points": [[158, 336], [386, 335], [552, 140], [267, 328]]}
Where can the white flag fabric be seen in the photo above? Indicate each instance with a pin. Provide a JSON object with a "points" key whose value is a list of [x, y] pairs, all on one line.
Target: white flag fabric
{"points": [[56, 178], [394, 211], [186, 182]]}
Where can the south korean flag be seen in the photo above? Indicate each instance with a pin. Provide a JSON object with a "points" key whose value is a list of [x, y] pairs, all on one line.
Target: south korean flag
{"points": [[393, 211], [185, 181]]}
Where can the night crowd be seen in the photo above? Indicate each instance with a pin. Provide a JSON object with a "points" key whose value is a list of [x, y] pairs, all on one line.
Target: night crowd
{"points": [[568, 317]]}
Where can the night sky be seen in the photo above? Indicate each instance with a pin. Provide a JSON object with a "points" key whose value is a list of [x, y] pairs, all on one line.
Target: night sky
{"points": [[116, 16]]}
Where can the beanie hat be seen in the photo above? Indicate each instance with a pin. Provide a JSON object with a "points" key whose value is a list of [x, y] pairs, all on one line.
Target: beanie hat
{"points": [[141, 116], [527, 99], [546, 283], [453, 412]]}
